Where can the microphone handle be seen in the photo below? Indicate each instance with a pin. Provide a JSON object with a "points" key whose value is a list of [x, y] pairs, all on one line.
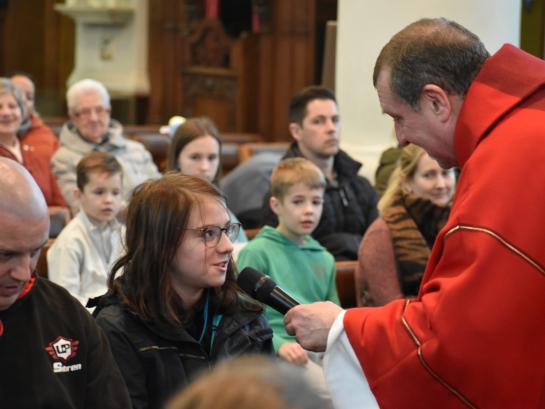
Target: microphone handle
{"points": [[280, 301]]}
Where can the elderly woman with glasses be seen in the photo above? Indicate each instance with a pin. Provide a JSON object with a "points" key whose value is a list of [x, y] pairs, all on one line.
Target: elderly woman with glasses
{"points": [[173, 308], [91, 128]]}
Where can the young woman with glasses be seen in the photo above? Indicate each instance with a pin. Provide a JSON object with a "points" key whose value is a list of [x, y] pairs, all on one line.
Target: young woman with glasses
{"points": [[174, 308]]}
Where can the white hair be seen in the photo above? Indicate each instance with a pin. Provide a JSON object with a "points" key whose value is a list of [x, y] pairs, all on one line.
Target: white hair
{"points": [[84, 86]]}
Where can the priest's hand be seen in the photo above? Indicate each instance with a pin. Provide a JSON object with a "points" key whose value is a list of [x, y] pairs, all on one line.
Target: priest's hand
{"points": [[310, 323]]}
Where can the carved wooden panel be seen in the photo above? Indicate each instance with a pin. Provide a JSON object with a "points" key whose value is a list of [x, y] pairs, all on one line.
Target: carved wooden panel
{"points": [[211, 92], [39, 41], [264, 68]]}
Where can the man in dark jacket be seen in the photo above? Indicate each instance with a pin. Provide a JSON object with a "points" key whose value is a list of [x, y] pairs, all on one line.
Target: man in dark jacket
{"points": [[52, 353], [350, 201]]}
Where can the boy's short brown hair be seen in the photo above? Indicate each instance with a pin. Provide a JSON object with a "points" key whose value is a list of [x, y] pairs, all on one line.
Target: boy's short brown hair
{"points": [[292, 171], [101, 162]]}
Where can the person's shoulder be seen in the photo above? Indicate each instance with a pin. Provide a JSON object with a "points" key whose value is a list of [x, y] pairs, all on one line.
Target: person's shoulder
{"points": [[359, 182], [267, 238], [313, 245], [378, 225], [75, 231], [109, 307], [134, 145], [134, 151], [293, 151], [246, 312], [252, 250], [65, 154], [345, 163], [55, 301], [112, 316], [120, 140]]}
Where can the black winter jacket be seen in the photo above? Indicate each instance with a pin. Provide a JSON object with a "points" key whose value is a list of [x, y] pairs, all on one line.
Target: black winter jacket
{"points": [[349, 207], [158, 360]]}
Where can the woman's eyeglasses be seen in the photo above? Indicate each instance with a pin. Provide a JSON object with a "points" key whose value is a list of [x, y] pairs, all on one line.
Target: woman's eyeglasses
{"points": [[212, 234]]}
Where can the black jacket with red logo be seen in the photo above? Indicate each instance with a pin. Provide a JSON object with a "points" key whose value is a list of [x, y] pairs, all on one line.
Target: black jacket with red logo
{"points": [[53, 355]]}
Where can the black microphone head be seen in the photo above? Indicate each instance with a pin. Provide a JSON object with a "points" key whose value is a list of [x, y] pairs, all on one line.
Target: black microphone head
{"points": [[255, 283], [263, 289]]}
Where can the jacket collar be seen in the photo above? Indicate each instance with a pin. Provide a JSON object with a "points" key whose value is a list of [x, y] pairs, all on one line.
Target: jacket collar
{"points": [[23, 297], [72, 140], [230, 323], [344, 165], [505, 79]]}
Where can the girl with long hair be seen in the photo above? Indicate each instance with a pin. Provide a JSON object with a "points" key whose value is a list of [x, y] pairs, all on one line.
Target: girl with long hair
{"points": [[174, 308]]}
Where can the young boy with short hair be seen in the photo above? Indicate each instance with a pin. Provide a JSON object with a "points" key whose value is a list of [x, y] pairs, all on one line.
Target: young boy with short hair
{"points": [[288, 254], [82, 255]]}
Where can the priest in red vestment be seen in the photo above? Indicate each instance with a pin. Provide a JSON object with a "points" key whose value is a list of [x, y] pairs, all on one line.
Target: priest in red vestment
{"points": [[475, 335]]}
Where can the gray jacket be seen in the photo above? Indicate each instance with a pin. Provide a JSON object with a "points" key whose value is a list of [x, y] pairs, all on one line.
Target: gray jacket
{"points": [[136, 161]]}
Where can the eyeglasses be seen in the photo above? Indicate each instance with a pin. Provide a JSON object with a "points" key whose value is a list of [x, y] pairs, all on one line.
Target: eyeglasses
{"points": [[87, 112], [212, 234]]}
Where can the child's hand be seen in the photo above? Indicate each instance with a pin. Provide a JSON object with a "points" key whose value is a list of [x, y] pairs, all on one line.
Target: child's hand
{"points": [[293, 352]]}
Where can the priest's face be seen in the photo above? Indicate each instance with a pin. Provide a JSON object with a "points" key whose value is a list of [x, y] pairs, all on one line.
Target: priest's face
{"points": [[425, 126]]}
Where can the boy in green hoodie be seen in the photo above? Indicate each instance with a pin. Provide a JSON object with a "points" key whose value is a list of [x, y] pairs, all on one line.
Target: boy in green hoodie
{"points": [[293, 259]]}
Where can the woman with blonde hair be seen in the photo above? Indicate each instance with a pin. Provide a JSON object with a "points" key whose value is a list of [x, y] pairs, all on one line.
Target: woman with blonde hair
{"points": [[396, 247]]}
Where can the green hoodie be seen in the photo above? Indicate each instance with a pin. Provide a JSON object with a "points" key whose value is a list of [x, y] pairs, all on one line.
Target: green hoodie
{"points": [[306, 272]]}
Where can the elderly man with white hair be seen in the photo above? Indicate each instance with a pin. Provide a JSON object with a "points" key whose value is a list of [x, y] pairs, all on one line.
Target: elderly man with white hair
{"points": [[91, 128]]}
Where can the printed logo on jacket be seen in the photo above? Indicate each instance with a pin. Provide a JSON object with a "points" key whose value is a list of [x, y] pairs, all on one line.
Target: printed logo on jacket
{"points": [[63, 349]]}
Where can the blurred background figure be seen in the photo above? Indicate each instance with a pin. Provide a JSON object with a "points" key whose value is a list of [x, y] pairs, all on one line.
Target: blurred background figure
{"points": [[91, 128], [251, 382], [12, 112], [33, 132], [195, 150], [396, 247]]}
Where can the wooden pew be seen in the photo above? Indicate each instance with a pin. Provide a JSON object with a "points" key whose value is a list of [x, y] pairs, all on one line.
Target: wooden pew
{"points": [[41, 266], [247, 150], [157, 143], [345, 271]]}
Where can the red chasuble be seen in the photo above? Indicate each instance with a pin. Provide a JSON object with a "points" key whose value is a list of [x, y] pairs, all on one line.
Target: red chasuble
{"points": [[475, 336]]}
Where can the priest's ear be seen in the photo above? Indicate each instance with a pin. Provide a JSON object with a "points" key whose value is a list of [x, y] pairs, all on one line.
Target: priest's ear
{"points": [[436, 100]]}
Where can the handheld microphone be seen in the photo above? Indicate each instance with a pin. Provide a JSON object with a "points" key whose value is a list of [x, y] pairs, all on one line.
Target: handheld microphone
{"points": [[262, 288]]}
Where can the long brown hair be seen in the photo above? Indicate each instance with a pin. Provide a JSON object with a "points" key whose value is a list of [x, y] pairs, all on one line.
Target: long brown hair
{"points": [[186, 133], [157, 217]]}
